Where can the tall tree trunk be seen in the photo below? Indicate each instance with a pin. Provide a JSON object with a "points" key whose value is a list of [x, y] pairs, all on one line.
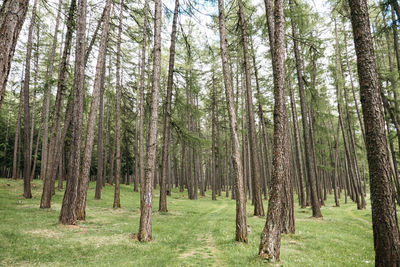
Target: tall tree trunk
{"points": [[91, 122], [255, 165], [68, 209], [241, 225], [298, 158], [27, 146], [304, 117], [384, 218], [141, 101], [12, 17], [145, 227], [57, 136], [167, 114], [46, 102], [213, 142], [271, 234], [17, 137], [117, 203], [100, 139]]}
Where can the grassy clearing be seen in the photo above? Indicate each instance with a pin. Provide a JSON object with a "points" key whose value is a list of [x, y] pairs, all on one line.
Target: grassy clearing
{"points": [[192, 233]]}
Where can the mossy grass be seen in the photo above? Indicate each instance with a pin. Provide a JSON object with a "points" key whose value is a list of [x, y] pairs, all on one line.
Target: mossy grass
{"points": [[193, 233]]}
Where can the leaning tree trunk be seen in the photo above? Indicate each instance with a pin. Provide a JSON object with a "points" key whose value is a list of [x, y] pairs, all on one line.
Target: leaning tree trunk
{"points": [[271, 234], [91, 122], [12, 17], [68, 209], [384, 218], [241, 225], [167, 115], [147, 195]]}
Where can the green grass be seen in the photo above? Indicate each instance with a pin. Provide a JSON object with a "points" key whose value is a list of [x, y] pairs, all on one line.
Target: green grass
{"points": [[192, 233]]}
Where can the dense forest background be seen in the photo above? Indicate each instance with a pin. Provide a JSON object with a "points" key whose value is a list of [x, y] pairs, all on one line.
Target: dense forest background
{"points": [[250, 100]]}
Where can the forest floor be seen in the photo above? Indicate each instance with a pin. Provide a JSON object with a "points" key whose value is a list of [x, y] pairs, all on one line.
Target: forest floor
{"points": [[192, 233]]}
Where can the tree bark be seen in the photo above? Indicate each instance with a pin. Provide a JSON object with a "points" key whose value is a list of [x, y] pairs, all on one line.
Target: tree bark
{"points": [[141, 101], [213, 142], [17, 137], [100, 139], [255, 165], [384, 218], [12, 17], [304, 117], [46, 101], [271, 234], [167, 114], [27, 146], [145, 228], [91, 122], [298, 157], [68, 209], [117, 203], [56, 137], [241, 225]]}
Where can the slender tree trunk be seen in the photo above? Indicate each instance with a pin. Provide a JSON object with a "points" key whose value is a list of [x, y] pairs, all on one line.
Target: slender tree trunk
{"points": [[17, 137], [141, 101], [68, 209], [304, 117], [46, 101], [145, 227], [35, 156], [255, 165], [100, 139], [167, 114], [12, 17], [213, 141], [27, 143], [384, 218], [271, 234], [241, 225], [56, 136], [117, 203], [91, 122], [298, 157]]}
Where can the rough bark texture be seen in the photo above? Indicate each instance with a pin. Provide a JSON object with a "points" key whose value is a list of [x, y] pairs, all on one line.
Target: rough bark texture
{"points": [[141, 99], [117, 203], [91, 123], [68, 209], [271, 234], [145, 226], [12, 17], [384, 219], [100, 139], [237, 172], [255, 165], [167, 114]]}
